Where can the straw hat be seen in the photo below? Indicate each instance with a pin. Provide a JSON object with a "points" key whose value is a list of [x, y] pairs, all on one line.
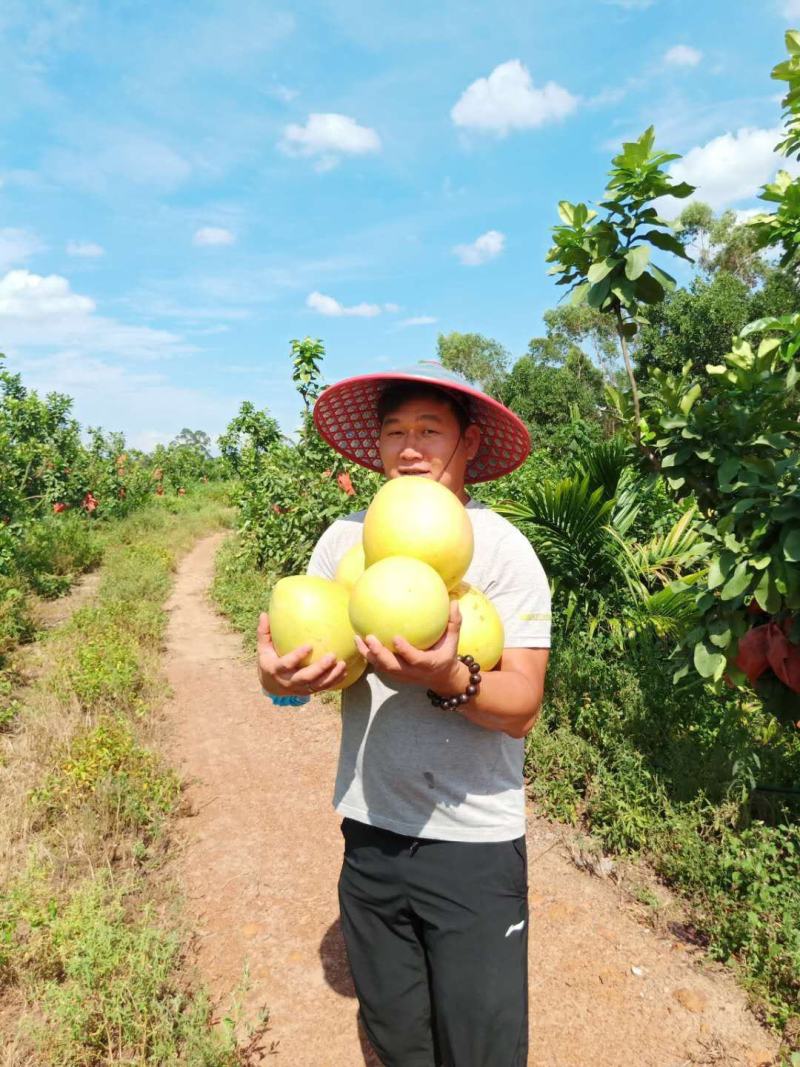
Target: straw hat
{"points": [[346, 415]]}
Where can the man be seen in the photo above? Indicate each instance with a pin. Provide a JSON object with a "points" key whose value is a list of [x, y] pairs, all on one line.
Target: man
{"points": [[433, 889]]}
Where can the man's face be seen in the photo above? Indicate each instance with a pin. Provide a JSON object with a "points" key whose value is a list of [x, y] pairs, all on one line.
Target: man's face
{"points": [[422, 438]]}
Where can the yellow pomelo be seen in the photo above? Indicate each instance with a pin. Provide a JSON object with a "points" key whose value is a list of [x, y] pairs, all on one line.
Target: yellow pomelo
{"points": [[414, 516], [306, 610], [400, 596], [482, 635], [351, 566]]}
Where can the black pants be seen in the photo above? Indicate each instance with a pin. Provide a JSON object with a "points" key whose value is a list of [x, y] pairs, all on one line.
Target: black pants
{"points": [[437, 937]]}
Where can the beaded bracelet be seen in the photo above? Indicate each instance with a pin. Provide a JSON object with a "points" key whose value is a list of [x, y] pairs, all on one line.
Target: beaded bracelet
{"points": [[451, 703]]}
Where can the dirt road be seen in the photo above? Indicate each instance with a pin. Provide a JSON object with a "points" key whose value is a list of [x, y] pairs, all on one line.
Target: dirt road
{"points": [[260, 861]]}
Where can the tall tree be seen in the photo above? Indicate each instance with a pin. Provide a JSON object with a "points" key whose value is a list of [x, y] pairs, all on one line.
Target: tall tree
{"points": [[607, 263], [196, 440], [480, 359]]}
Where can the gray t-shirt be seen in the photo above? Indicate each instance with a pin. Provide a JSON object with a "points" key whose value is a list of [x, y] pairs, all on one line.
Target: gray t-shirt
{"points": [[415, 769]]}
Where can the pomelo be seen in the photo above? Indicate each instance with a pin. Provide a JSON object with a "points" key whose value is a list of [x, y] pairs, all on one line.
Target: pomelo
{"points": [[351, 566], [400, 595], [415, 516], [482, 635], [307, 610]]}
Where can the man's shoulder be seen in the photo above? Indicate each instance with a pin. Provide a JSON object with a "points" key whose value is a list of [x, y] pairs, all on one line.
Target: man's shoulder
{"points": [[486, 521], [345, 528]]}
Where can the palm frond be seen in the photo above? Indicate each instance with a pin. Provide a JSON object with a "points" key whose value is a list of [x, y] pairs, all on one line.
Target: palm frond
{"points": [[672, 554], [668, 613], [604, 464], [567, 522]]}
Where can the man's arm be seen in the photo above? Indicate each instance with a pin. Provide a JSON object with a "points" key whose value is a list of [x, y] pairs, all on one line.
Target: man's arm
{"points": [[510, 697]]}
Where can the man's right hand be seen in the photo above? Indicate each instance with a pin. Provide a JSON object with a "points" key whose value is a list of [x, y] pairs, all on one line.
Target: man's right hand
{"points": [[283, 675]]}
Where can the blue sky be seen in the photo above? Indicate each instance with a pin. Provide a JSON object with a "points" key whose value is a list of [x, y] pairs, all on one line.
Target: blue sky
{"points": [[186, 187]]}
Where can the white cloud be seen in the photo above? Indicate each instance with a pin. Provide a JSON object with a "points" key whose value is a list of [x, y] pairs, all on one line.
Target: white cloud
{"points": [[102, 157], [26, 295], [731, 167], [393, 308], [39, 311], [86, 249], [682, 55], [327, 137], [790, 9], [482, 249], [507, 100], [419, 320], [17, 246], [145, 405], [207, 236], [284, 94], [327, 305]]}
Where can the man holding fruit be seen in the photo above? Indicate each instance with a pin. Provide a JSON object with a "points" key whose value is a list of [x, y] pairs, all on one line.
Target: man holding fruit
{"points": [[433, 889]]}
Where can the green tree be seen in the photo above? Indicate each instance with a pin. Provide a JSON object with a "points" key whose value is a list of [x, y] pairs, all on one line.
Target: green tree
{"points": [[722, 243], [480, 359], [248, 438], [195, 440], [586, 329], [547, 397], [694, 325], [607, 263]]}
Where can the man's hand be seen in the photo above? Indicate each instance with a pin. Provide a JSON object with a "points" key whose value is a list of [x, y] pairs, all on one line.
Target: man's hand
{"points": [[437, 668], [283, 675]]}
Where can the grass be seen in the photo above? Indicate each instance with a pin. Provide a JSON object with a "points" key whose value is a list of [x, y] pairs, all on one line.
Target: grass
{"points": [[672, 776], [92, 945]]}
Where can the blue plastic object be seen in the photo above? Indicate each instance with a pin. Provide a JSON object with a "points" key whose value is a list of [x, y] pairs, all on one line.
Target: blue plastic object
{"points": [[288, 702]]}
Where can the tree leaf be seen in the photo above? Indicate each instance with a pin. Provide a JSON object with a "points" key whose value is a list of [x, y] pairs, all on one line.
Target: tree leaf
{"points": [[648, 289], [707, 661], [661, 276], [715, 575], [598, 293], [667, 242], [738, 584], [578, 294], [600, 270], [636, 259], [687, 401], [681, 190], [791, 546], [719, 632], [766, 594]]}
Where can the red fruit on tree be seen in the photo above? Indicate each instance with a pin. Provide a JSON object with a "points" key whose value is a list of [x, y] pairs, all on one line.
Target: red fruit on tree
{"points": [[783, 657], [751, 656], [346, 484]]}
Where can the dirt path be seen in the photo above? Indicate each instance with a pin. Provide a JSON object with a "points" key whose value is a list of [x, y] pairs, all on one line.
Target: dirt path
{"points": [[261, 856]]}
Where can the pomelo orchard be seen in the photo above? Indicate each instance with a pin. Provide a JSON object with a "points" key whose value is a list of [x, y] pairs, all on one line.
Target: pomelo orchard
{"points": [[482, 635], [307, 610], [414, 516], [400, 596]]}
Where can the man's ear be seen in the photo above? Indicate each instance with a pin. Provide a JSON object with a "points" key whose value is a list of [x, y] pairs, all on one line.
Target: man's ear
{"points": [[472, 437]]}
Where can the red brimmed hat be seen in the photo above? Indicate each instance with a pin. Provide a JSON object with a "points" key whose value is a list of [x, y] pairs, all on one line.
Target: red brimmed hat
{"points": [[346, 415]]}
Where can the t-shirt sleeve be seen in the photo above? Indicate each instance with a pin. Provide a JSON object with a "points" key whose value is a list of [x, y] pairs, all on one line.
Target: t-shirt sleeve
{"points": [[521, 593], [325, 557], [341, 535]]}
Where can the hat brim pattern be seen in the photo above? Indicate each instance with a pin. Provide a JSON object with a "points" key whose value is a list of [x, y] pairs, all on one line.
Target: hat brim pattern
{"points": [[346, 415]]}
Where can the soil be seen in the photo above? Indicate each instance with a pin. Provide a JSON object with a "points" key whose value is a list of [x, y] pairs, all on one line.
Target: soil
{"points": [[259, 857]]}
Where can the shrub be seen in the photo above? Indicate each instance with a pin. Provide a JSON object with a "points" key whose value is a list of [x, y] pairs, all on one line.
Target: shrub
{"points": [[108, 769]]}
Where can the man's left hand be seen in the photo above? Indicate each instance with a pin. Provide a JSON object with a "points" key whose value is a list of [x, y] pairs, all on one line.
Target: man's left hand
{"points": [[436, 668]]}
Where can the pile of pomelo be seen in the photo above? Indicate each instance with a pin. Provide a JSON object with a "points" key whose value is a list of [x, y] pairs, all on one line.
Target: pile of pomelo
{"points": [[416, 547]]}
